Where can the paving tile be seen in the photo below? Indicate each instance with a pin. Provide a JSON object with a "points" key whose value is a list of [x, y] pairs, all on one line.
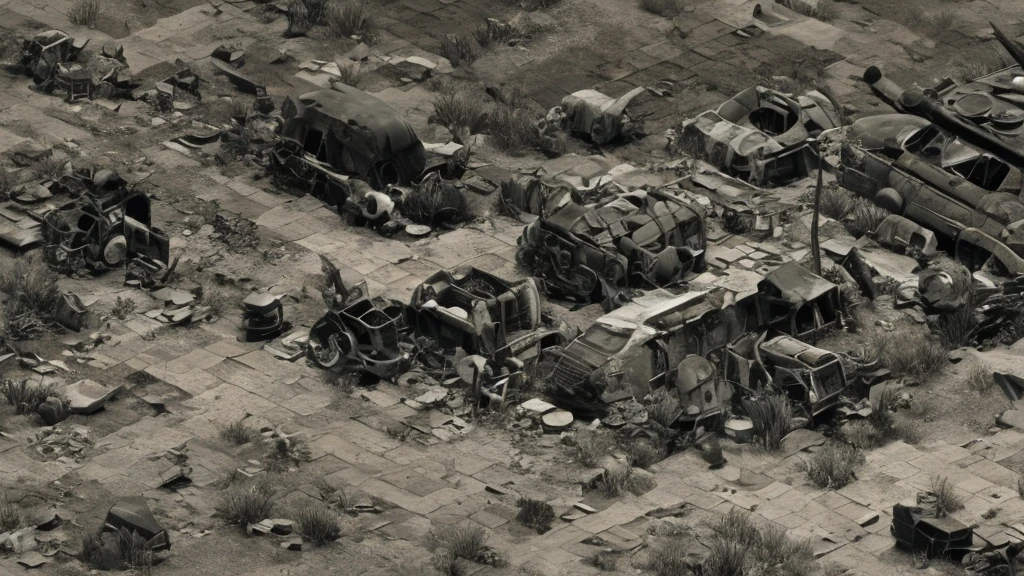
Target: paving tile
{"points": [[617, 513], [489, 520], [414, 482], [196, 359]]}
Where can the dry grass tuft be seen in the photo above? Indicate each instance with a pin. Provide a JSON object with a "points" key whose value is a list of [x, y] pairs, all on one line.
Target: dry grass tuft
{"points": [[122, 550], [980, 378], [670, 558], [32, 296], [591, 446], [833, 465], [947, 500], [458, 109], [84, 13], [452, 543], [741, 547], [535, 514], [351, 18], [319, 524], [771, 417], [238, 433], [459, 50], [864, 218], [247, 503], [27, 397], [514, 128], [642, 453], [10, 515], [725, 559], [908, 353]]}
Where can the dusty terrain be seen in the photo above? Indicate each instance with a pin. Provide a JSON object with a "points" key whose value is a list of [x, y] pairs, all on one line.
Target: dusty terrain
{"points": [[184, 385]]}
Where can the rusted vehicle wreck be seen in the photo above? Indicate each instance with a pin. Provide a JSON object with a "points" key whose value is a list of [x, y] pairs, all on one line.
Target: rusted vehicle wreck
{"points": [[330, 134], [762, 136], [644, 238]]}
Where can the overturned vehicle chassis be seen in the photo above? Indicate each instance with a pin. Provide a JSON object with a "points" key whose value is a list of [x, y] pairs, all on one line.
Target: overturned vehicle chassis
{"points": [[103, 229]]}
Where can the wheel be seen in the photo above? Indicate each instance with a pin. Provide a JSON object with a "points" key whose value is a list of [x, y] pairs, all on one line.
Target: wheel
{"points": [[330, 352]]}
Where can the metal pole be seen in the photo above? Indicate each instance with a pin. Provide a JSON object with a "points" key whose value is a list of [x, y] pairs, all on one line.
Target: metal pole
{"points": [[815, 250]]}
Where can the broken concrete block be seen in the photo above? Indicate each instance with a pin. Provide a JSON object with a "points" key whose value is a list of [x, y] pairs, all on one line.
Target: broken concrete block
{"points": [[293, 544], [868, 519], [740, 430], [537, 406], [87, 396], [281, 526]]}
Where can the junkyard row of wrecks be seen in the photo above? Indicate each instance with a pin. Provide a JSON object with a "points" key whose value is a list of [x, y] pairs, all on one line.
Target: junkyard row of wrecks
{"points": [[947, 166]]}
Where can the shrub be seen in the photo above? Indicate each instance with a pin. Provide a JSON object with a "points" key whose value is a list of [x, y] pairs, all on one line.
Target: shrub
{"points": [[980, 378], [247, 503], [725, 559], [663, 8], [351, 74], [121, 550], [832, 466], [27, 397], [670, 558], [10, 515], [494, 32], [908, 354], [835, 202], [458, 50], [318, 524], [591, 447], [614, 482], [864, 218], [458, 109], [466, 542], [238, 433], [32, 296], [643, 453], [947, 500], [771, 418], [446, 562], [970, 65], [123, 307], [513, 129], [351, 18], [959, 327], [640, 484], [736, 526], [535, 514], [665, 410], [84, 13], [606, 561]]}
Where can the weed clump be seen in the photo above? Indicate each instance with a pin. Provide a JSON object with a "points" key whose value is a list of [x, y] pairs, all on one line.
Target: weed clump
{"points": [[10, 515], [32, 297], [247, 503], [120, 550], [84, 13], [351, 18], [452, 543], [614, 483], [591, 446], [238, 433], [643, 454], [535, 514], [771, 417], [318, 524], [457, 109], [27, 397], [742, 547], [833, 465], [459, 50], [907, 354], [123, 307], [947, 500]]}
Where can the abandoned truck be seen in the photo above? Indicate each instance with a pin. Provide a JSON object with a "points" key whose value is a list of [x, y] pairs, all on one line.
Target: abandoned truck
{"points": [[636, 348], [917, 170], [812, 378], [760, 135], [330, 134], [103, 223], [644, 238], [482, 314], [795, 301]]}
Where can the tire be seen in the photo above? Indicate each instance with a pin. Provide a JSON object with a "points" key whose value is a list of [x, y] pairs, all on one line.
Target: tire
{"points": [[328, 351]]}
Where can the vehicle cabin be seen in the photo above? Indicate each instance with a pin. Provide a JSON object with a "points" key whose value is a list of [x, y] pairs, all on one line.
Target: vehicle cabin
{"points": [[795, 301]]}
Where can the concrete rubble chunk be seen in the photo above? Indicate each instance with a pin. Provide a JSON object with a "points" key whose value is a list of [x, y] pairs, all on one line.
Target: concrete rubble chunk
{"points": [[88, 396], [293, 544], [537, 406], [868, 519], [557, 421]]}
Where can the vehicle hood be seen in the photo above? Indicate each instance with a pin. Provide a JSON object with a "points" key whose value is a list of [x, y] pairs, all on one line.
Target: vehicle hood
{"points": [[873, 132]]}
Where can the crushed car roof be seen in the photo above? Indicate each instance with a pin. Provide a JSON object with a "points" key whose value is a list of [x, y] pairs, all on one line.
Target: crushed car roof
{"points": [[797, 284], [351, 106]]}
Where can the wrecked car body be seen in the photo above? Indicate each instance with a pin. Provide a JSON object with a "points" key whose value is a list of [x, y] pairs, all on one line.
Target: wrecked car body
{"points": [[899, 233], [105, 224], [795, 301], [348, 132], [918, 530], [481, 313], [635, 239], [357, 333], [637, 348], [601, 118], [812, 378], [930, 177], [44, 52], [760, 135]]}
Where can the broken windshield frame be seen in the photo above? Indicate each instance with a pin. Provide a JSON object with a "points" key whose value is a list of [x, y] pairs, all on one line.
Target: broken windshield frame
{"points": [[605, 339]]}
